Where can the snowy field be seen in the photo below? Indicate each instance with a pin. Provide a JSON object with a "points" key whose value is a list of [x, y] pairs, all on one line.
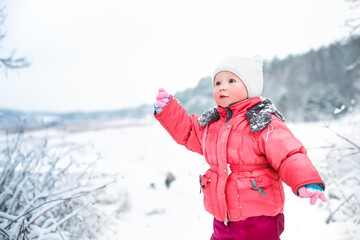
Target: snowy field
{"points": [[142, 154]]}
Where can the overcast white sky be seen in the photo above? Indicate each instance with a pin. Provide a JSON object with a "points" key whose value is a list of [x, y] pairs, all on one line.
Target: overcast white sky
{"points": [[110, 54]]}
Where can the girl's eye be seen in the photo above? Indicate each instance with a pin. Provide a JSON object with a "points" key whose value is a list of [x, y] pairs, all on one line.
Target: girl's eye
{"points": [[232, 81], [217, 83]]}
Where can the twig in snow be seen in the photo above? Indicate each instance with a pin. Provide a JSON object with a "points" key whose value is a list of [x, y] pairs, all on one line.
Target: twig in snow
{"points": [[337, 209], [2, 231], [21, 230], [321, 147], [58, 231], [344, 138], [52, 228], [7, 216], [76, 195]]}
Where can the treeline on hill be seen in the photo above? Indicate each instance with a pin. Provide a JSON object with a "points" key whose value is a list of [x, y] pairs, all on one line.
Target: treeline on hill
{"points": [[318, 85], [14, 120], [313, 86]]}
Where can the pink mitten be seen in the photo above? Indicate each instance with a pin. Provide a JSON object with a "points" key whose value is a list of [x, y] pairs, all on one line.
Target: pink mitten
{"points": [[313, 192], [162, 98]]}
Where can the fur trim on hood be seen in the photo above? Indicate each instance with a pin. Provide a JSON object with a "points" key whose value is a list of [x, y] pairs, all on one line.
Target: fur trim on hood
{"points": [[258, 116]]}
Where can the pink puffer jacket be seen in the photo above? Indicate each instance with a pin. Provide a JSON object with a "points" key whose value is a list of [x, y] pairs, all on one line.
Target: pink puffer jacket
{"points": [[246, 168]]}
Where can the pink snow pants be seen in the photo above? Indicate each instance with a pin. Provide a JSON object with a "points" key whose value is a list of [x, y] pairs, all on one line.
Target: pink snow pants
{"points": [[254, 228]]}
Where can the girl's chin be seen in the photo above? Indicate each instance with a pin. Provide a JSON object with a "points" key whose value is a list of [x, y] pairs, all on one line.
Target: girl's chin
{"points": [[224, 105]]}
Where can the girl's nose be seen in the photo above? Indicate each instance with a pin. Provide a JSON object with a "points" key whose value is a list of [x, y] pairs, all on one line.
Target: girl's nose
{"points": [[223, 86]]}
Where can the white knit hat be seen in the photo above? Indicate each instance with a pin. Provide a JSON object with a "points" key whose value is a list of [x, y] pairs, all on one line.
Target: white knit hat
{"points": [[249, 70]]}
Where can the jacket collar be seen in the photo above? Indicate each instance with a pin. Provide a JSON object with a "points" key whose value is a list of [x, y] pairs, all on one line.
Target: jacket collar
{"points": [[257, 111], [239, 108]]}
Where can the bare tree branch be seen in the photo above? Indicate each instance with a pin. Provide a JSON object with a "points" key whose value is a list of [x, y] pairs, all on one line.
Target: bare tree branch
{"points": [[353, 23], [14, 63], [10, 62]]}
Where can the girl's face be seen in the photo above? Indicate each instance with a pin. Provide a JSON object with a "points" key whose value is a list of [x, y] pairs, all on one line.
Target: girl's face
{"points": [[228, 89]]}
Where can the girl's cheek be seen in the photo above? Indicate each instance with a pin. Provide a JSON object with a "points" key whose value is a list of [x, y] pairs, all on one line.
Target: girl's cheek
{"points": [[214, 93]]}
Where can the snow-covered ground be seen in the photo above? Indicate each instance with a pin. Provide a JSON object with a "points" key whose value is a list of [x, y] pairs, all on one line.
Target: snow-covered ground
{"points": [[143, 154]]}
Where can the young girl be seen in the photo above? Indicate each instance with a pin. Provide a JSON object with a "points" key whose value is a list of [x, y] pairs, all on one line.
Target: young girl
{"points": [[250, 152]]}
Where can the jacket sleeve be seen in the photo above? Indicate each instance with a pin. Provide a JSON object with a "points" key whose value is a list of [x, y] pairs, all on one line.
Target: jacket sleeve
{"points": [[184, 129], [287, 155]]}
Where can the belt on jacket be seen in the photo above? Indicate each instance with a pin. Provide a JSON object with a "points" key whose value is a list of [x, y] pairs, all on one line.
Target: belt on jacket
{"points": [[243, 167]]}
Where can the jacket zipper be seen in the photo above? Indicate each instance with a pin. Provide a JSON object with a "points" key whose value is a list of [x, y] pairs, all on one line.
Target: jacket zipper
{"points": [[229, 114], [227, 208]]}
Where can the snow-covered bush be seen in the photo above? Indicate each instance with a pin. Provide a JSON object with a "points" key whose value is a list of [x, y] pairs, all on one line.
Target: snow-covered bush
{"points": [[342, 172], [49, 189]]}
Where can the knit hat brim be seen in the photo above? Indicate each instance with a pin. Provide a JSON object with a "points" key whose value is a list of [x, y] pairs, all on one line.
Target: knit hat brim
{"points": [[249, 70]]}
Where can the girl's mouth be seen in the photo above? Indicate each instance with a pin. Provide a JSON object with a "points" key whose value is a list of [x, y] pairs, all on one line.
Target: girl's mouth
{"points": [[223, 96]]}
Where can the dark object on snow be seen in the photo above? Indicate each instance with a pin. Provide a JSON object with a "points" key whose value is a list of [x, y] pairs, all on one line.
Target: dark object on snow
{"points": [[169, 179], [156, 212]]}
